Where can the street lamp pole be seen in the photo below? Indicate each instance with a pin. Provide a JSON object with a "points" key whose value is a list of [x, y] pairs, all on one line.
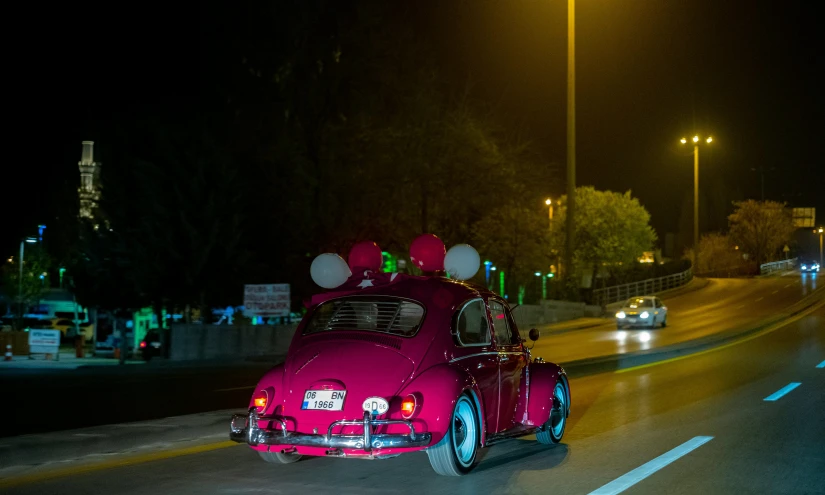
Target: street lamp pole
{"points": [[571, 138], [821, 231], [695, 205], [696, 199], [20, 280]]}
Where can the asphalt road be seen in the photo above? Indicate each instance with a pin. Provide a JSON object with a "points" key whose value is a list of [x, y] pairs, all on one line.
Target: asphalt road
{"points": [[98, 396], [723, 305], [700, 424]]}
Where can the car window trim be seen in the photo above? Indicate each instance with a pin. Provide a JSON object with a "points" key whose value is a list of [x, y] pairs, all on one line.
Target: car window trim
{"points": [[457, 334], [507, 317]]}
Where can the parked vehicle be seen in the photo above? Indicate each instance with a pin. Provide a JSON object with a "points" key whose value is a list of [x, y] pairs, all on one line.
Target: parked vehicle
{"points": [[401, 364], [151, 346]]}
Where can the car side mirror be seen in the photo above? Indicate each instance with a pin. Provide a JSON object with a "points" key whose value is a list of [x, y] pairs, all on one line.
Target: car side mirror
{"points": [[534, 334]]}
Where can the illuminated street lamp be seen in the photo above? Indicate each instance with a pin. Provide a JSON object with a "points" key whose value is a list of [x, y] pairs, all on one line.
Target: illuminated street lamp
{"points": [[549, 203], [696, 198], [820, 231]]}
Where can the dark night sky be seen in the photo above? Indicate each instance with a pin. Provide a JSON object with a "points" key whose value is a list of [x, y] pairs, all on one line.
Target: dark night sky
{"points": [[649, 72]]}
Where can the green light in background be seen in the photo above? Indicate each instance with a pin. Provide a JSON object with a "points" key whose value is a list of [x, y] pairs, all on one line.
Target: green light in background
{"points": [[390, 262], [501, 282]]}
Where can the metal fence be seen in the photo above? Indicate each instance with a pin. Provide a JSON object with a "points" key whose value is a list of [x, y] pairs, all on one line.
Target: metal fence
{"points": [[608, 295], [777, 266]]}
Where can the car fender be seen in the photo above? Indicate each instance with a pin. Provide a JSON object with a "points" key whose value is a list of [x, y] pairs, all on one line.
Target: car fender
{"points": [[273, 383], [543, 379], [439, 387]]}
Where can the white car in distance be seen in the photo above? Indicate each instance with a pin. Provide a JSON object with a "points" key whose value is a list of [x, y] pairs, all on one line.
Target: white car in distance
{"points": [[645, 311]]}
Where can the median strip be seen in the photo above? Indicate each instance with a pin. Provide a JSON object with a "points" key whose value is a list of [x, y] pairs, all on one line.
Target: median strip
{"points": [[782, 392], [624, 482]]}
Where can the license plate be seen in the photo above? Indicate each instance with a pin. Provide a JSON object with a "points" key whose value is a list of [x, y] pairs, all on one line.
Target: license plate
{"points": [[326, 400], [632, 320]]}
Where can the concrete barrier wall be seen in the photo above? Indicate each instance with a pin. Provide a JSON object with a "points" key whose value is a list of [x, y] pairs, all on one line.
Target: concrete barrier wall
{"points": [[192, 342], [533, 315]]}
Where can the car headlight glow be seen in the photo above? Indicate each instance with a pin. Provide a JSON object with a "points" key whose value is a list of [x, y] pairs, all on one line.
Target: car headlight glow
{"points": [[804, 267], [620, 314], [644, 314]]}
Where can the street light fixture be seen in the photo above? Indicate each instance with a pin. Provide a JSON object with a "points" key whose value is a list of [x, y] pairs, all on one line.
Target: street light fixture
{"points": [[821, 231], [696, 198]]}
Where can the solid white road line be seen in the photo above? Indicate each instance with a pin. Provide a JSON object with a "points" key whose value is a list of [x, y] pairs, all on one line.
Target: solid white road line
{"points": [[821, 365], [782, 391], [624, 482]]}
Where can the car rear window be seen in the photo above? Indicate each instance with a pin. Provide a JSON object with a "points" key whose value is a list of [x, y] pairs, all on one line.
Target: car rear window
{"points": [[389, 315]]}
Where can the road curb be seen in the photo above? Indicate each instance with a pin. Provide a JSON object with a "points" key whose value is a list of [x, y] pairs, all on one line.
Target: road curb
{"points": [[618, 362]]}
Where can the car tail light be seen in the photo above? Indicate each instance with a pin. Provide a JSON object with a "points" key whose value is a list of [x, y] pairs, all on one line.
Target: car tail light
{"points": [[260, 400], [408, 406], [143, 344]]}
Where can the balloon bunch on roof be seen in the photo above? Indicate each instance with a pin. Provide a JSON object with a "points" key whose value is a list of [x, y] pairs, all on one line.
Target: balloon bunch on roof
{"points": [[363, 268]]}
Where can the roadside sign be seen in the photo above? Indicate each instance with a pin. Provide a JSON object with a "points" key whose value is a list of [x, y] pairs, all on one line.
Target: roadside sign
{"points": [[266, 300], [786, 248], [44, 341], [804, 217]]}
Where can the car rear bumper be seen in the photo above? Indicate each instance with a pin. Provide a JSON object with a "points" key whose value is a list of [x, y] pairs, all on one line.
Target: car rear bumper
{"points": [[245, 429]]}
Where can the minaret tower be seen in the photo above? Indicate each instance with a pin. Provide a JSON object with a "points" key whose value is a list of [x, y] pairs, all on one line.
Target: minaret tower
{"points": [[88, 191]]}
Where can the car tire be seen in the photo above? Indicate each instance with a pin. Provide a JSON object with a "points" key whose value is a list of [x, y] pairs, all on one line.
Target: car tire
{"points": [[553, 430], [664, 322], [279, 458], [456, 453]]}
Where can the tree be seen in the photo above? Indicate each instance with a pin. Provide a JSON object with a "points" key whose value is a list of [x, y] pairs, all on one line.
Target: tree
{"points": [[612, 230], [517, 239], [719, 255], [36, 264], [761, 228]]}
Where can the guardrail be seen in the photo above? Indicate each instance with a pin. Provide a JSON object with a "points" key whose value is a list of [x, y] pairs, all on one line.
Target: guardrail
{"points": [[608, 295], [777, 266]]}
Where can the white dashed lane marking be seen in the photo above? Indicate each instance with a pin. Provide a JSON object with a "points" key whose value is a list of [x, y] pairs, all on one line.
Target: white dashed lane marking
{"points": [[782, 392], [624, 482]]}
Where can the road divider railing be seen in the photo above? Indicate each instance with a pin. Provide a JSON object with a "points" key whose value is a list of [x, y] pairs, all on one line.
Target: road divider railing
{"points": [[616, 293], [777, 266]]}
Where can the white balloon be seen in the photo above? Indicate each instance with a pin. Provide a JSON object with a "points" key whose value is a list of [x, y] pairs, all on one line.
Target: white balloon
{"points": [[462, 261], [329, 270]]}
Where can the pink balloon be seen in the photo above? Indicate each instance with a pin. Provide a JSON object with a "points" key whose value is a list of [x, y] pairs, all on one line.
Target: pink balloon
{"points": [[427, 253], [367, 256]]}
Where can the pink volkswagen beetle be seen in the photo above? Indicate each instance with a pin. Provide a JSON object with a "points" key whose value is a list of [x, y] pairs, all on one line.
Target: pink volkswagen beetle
{"points": [[395, 363]]}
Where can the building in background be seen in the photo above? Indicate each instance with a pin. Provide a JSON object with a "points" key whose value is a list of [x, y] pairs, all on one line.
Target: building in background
{"points": [[89, 190]]}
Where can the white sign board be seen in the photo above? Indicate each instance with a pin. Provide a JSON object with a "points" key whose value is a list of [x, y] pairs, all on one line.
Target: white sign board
{"points": [[266, 300], [44, 341], [804, 217]]}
